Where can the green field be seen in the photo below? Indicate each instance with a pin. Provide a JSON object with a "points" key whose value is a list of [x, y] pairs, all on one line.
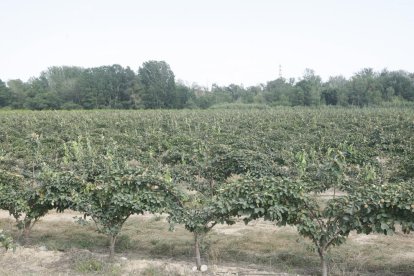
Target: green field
{"points": [[225, 163], [374, 132]]}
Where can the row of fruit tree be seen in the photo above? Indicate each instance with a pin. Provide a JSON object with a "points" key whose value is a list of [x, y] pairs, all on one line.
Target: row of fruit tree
{"points": [[327, 172]]}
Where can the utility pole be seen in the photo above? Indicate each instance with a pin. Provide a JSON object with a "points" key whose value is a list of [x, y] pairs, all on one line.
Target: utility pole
{"points": [[280, 71]]}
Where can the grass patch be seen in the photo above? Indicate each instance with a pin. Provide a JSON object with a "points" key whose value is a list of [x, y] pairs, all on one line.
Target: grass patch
{"points": [[63, 236], [278, 251], [379, 255], [86, 263], [150, 236], [89, 265], [154, 270]]}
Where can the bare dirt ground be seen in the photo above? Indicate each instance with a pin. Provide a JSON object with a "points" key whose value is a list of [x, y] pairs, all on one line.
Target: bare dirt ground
{"points": [[36, 259], [39, 260]]}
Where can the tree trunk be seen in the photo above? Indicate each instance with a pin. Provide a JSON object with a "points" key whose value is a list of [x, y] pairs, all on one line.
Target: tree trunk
{"points": [[197, 250], [112, 240], [27, 226], [324, 264]]}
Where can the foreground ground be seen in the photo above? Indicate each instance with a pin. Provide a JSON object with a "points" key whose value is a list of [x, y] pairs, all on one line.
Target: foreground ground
{"points": [[59, 246]]}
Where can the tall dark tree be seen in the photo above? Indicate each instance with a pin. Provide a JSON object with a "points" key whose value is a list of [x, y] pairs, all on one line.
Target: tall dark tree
{"points": [[309, 88], [334, 91], [397, 84], [158, 83], [39, 96], [106, 87], [64, 83], [365, 88], [184, 97], [219, 95], [277, 91]]}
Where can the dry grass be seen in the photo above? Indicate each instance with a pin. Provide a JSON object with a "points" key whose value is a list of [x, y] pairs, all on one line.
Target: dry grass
{"points": [[148, 248]]}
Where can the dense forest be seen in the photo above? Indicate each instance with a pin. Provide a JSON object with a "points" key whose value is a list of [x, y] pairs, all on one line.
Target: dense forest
{"points": [[154, 86]]}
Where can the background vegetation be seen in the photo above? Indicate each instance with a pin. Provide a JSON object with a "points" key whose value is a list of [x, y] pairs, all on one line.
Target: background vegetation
{"points": [[154, 86]]}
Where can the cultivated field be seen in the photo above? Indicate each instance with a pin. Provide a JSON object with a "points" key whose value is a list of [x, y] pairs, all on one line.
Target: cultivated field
{"points": [[327, 177]]}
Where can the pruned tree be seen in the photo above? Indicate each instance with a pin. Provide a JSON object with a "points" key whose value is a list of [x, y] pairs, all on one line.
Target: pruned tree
{"points": [[108, 188]]}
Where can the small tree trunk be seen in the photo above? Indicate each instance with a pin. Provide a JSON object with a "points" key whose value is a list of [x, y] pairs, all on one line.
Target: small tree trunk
{"points": [[197, 250], [27, 226], [324, 264], [112, 240]]}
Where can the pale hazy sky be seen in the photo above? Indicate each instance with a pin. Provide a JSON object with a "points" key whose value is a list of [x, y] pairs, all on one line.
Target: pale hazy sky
{"points": [[208, 41]]}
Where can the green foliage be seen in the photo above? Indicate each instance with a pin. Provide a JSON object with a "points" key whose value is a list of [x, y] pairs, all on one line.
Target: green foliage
{"points": [[5, 94], [158, 82], [24, 199], [6, 241], [325, 199], [239, 106], [90, 264], [272, 198], [154, 87], [380, 207], [109, 188], [316, 169], [11, 192]]}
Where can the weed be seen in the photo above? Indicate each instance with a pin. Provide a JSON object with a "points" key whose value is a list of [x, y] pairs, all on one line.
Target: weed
{"points": [[154, 270], [89, 265]]}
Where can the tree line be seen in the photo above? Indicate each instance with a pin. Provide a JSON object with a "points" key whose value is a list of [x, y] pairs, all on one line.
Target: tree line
{"points": [[154, 86]]}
